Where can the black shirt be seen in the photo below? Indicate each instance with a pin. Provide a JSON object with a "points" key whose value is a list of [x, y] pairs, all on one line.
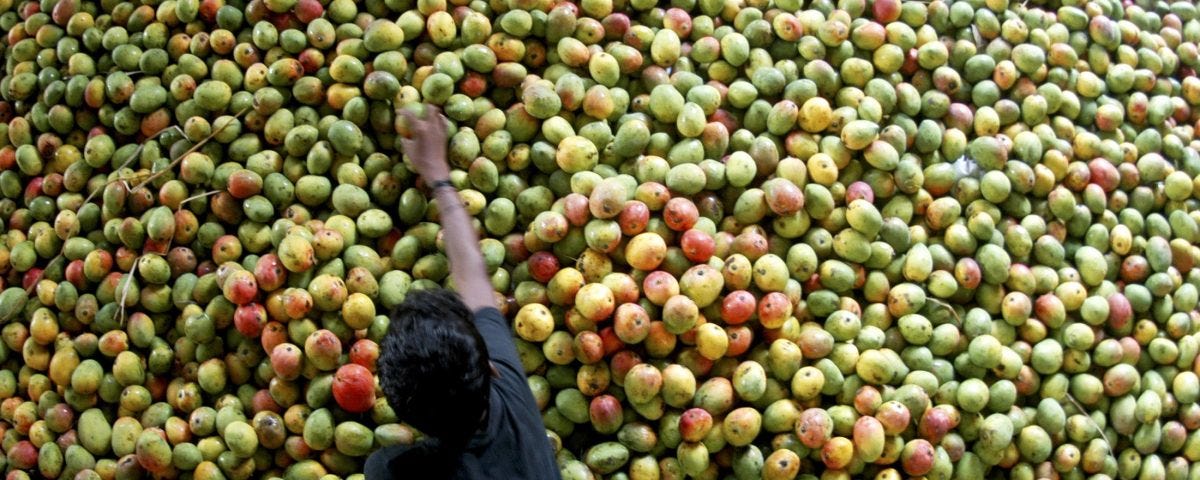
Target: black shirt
{"points": [[512, 446]]}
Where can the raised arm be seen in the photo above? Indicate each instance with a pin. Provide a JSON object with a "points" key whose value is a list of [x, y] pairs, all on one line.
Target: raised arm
{"points": [[426, 148]]}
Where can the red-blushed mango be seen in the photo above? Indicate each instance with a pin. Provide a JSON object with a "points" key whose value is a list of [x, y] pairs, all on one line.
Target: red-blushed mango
{"points": [[287, 360], [738, 306], [868, 438], [695, 424], [588, 347], [323, 349], [354, 388], [631, 323], [605, 413], [680, 314], [917, 457], [814, 427]]}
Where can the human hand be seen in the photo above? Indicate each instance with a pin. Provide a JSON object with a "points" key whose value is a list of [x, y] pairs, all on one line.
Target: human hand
{"points": [[425, 143]]}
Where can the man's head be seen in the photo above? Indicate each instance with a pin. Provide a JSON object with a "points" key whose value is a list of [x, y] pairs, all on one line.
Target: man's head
{"points": [[433, 365]]}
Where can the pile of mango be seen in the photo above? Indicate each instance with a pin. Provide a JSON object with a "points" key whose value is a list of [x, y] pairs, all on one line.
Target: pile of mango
{"points": [[742, 239]]}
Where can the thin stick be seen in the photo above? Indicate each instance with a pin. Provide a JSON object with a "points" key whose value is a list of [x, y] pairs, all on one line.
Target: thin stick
{"points": [[125, 291], [1084, 412], [197, 196], [948, 307]]}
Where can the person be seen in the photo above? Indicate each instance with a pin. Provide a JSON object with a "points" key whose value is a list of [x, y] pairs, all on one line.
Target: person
{"points": [[448, 365]]}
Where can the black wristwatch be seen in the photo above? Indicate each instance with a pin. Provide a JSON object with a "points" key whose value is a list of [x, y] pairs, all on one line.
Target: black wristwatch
{"points": [[436, 184]]}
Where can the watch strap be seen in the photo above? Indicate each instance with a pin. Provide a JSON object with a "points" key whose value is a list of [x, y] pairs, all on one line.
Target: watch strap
{"points": [[438, 184]]}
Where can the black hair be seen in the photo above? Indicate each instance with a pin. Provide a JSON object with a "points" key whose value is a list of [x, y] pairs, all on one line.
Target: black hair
{"points": [[434, 371]]}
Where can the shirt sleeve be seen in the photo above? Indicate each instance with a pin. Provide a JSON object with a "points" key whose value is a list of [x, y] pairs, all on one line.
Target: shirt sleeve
{"points": [[378, 466], [498, 337]]}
